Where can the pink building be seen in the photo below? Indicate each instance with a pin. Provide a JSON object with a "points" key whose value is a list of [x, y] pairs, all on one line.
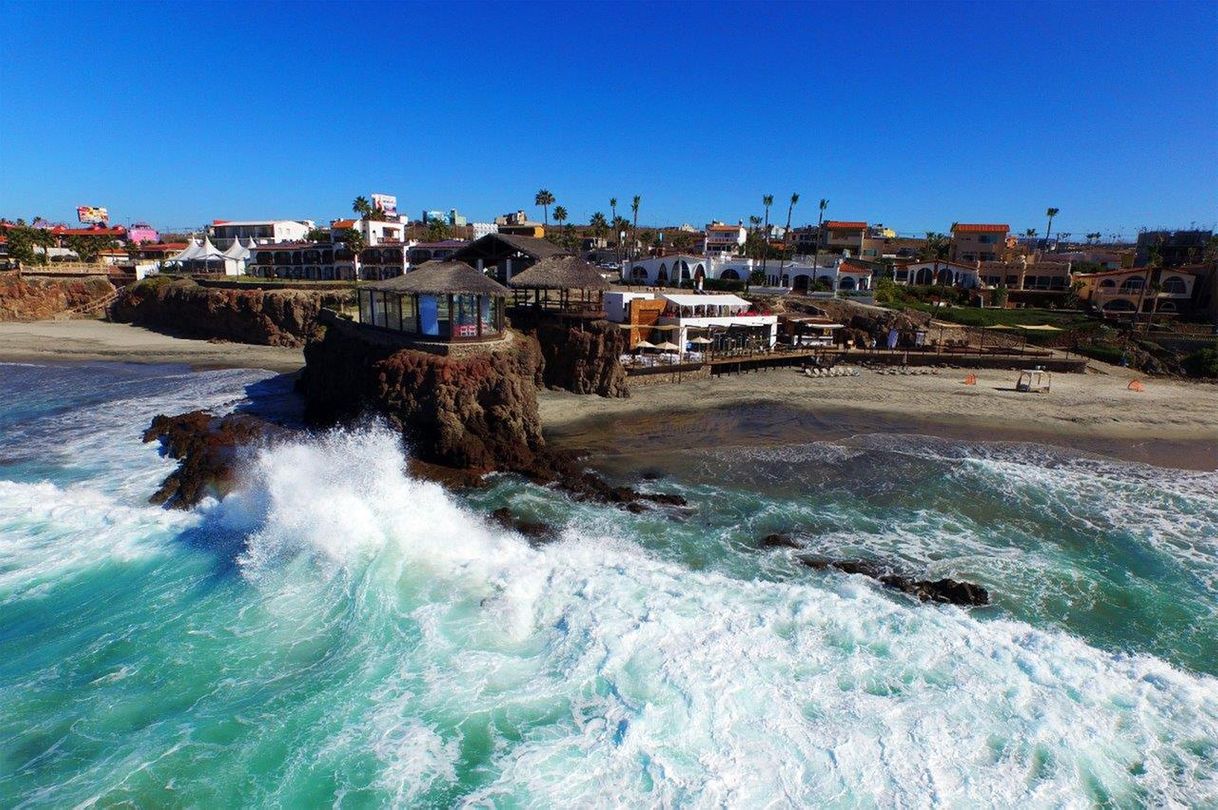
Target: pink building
{"points": [[142, 232]]}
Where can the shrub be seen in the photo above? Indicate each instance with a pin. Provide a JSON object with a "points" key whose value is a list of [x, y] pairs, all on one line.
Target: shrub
{"points": [[1202, 363]]}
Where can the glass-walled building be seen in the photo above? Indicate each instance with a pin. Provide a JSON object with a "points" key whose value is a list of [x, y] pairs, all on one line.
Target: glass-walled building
{"points": [[441, 301]]}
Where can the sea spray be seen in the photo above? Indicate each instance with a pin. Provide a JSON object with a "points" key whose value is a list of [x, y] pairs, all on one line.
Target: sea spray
{"points": [[338, 631]]}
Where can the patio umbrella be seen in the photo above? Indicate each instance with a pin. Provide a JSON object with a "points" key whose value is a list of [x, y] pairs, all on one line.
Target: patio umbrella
{"points": [[702, 341], [666, 346], [644, 344]]}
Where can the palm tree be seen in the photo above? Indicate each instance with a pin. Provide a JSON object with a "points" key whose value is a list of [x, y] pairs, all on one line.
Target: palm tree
{"points": [[787, 234], [597, 223], [1050, 213], [612, 221], [362, 207], [560, 215], [634, 208], [1030, 232], [766, 200], [820, 219], [545, 199]]}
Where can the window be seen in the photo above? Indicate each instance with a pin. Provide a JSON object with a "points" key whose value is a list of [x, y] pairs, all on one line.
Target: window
{"points": [[1174, 285], [409, 324], [365, 306]]}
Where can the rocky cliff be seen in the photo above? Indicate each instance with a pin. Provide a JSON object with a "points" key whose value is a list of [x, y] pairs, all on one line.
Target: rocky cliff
{"points": [[476, 412], [583, 358], [263, 317], [35, 299]]}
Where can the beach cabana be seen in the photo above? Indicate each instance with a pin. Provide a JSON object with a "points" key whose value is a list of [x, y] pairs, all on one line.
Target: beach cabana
{"points": [[440, 301], [560, 283]]}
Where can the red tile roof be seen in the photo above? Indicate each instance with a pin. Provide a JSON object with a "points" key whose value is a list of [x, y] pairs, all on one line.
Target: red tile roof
{"points": [[840, 225], [961, 227], [733, 228], [340, 224]]}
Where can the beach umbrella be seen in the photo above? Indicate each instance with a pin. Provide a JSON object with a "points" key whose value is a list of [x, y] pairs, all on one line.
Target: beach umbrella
{"points": [[666, 346], [644, 344], [702, 341]]}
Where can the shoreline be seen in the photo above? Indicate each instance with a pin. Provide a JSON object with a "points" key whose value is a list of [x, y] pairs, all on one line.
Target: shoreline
{"points": [[1172, 423], [85, 340]]}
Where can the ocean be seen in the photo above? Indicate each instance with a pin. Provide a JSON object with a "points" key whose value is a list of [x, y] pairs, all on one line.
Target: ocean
{"points": [[336, 632]]}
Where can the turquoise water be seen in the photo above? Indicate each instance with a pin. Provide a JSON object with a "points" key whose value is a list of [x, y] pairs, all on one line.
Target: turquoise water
{"points": [[338, 633]]}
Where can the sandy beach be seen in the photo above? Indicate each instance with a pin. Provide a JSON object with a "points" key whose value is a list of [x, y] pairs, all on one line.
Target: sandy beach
{"points": [[1171, 422], [86, 340]]}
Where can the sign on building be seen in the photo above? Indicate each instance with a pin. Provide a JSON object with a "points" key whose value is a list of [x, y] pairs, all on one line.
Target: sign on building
{"points": [[92, 214], [386, 202]]}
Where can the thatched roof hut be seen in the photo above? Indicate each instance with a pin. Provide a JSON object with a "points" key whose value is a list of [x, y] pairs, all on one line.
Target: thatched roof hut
{"points": [[441, 278], [560, 272]]}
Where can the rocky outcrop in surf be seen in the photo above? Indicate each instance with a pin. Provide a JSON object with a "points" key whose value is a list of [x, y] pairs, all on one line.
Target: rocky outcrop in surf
{"points": [[262, 317], [475, 412], [207, 448], [949, 591], [25, 298]]}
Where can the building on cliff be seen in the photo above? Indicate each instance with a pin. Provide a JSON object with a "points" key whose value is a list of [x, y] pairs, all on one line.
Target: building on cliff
{"points": [[564, 286], [440, 302], [506, 254], [727, 321]]}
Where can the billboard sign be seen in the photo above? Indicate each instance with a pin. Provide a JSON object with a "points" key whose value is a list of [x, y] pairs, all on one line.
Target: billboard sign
{"points": [[92, 215], [387, 203]]}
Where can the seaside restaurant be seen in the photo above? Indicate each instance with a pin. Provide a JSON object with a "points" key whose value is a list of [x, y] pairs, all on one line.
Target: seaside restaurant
{"points": [[440, 301]]}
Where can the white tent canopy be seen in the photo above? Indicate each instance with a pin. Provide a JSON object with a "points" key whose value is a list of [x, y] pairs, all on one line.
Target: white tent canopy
{"points": [[188, 253], [707, 300]]}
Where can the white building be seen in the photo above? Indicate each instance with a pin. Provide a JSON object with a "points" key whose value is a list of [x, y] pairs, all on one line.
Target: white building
{"points": [[375, 231], [265, 231], [723, 238], [729, 321], [205, 257], [955, 274]]}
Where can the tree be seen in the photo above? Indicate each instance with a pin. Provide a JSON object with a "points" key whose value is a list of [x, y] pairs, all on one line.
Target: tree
{"points": [[820, 219], [634, 208], [1050, 213], [362, 207], [86, 247], [617, 239], [21, 244], [545, 199], [354, 242], [45, 240], [787, 234], [766, 200], [560, 215], [597, 223], [1030, 232], [438, 230], [317, 235]]}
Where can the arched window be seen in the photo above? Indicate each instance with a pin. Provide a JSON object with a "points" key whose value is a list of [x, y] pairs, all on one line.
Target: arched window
{"points": [[1174, 285], [1132, 284], [638, 273], [730, 275], [1167, 306]]}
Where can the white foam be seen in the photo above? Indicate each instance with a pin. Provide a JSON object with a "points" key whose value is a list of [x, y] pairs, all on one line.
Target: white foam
{"points": [[630, 680]]}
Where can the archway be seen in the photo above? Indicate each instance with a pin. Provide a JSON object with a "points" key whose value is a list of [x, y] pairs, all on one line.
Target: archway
{"points": [[925, 275], [662, 275], [847, 283], [785, 281], [699, 273], [802, 283], [730, 275], [638, 273]]}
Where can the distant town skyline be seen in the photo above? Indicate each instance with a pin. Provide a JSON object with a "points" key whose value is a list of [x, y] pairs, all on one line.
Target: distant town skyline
{"points": [[914, 116]]}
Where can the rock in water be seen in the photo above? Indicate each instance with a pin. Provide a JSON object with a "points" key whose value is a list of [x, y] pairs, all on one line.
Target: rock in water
{"points": [[206, 448], [541, 532], [778, 541], [947, 591]]}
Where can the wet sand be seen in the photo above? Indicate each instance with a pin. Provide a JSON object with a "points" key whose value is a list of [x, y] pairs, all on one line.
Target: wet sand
{"points": [[88, 340], [1171, 423]]}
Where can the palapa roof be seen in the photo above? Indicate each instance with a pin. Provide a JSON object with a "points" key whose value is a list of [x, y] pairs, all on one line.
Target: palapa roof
{"points": [[560, 273], [528, 245], [441, 278]]}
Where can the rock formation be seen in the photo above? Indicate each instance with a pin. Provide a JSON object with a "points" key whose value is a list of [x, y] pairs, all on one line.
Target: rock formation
{"points": [[263, 317], [477, 412], [207, 448], [584, 358], [949, 591], [25, 298]]}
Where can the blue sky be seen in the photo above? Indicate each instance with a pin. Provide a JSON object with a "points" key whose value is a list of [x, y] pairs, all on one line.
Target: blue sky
{"points": [[914, 115]]}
